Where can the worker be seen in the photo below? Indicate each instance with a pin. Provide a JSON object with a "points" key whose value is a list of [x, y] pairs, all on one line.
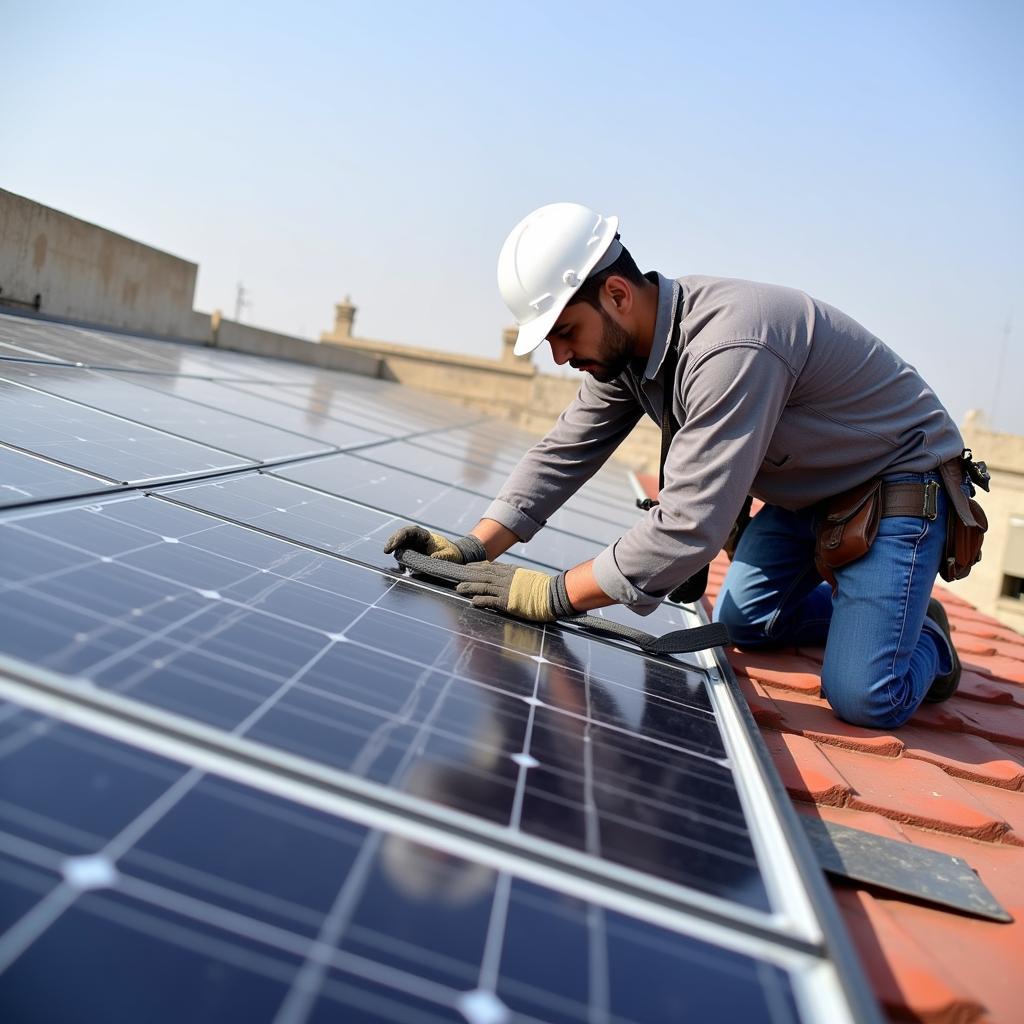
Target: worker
{"points": [[760, 390]]}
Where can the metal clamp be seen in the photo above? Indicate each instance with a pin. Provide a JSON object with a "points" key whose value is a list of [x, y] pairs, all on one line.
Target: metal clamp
{"points": [[931, 501]]}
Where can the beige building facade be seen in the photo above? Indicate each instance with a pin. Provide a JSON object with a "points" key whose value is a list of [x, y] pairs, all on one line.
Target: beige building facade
{"points": [[996, 584]]}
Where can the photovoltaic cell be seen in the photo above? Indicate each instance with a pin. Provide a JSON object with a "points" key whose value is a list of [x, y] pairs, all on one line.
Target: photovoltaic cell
{"points": [[96, 442], [25, 478], [26, 338], [298, 513], [304, 423], [353, 405], [603, 524], [428, 502], [205, 424], [126, 869]]}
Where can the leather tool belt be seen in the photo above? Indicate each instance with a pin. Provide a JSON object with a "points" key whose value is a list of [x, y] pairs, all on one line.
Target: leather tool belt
{"points": [[849, 521]]}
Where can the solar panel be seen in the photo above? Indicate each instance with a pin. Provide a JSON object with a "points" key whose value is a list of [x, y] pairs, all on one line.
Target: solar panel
{"points": [[26, 478], [379, 413], [335, 433], [251, 902], [40, 340], [195, 421], [431, 502], [98, 442], [241, 750]]}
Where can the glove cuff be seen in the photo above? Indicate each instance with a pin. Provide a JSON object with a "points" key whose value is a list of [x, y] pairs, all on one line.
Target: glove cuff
{"points": [[561, 606], [471, 549]]}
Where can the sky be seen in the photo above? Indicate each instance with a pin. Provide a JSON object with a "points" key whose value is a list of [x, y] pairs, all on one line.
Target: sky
{"points": [[871, 154]]}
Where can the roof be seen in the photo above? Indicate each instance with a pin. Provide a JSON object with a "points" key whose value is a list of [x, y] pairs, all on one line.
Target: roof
{"points": [[951, 780]]}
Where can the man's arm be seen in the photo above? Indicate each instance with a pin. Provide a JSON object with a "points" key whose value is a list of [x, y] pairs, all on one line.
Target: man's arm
{"points": [[733, 400], [496, 539], [592, 426], [580, 442]]}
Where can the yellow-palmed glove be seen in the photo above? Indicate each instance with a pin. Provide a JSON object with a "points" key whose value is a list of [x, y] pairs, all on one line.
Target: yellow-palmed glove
{"points": [[525, 593], [415, 538]]}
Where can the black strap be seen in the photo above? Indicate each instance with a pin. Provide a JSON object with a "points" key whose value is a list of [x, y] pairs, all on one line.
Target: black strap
{"points": [[680, 641]]}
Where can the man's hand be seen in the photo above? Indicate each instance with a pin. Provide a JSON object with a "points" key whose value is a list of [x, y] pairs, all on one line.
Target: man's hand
{"points": [[461, 550], [527, 594]]}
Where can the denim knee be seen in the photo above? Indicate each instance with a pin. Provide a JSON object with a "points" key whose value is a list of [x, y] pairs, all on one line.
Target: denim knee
{"points": [[858, 702], [743, 630]]}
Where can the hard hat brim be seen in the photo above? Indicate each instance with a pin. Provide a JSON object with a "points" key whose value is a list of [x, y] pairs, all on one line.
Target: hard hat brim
{"points": [[533, 333]]}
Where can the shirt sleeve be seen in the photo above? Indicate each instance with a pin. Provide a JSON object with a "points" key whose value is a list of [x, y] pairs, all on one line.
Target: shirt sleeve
{"points": [[577, 446], [732, 401]]}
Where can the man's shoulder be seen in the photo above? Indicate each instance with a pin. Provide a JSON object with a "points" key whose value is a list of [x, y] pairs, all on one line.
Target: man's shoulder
{"points": [[705, 288], [722, 309]]}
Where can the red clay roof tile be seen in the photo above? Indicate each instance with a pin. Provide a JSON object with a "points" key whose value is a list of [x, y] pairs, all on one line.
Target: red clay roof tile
{"points": [[967, 757], [1002, 724], [805, 772], [762, 707], [851, 818], [978, 960], [999, 667], [1009, 806], [786, 671], [903, 971], [915, 792], [992, 691], [812, 717]]}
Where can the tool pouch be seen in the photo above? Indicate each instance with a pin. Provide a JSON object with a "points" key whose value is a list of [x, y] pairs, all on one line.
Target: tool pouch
{"points": [[965, 530], [848, 527]]}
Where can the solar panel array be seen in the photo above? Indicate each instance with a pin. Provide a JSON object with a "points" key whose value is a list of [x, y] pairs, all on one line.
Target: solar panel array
{"points": [[250, 770]]}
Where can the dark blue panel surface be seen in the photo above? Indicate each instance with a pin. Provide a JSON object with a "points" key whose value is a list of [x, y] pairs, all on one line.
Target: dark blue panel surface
{"points": [[25, 478], [96, 442], [431, 503], [297, 513], [165, 411], [164, 894], [547, 732]]}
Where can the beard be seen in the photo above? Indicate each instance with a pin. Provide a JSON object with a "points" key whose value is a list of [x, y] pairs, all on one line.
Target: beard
{"points": [[616, 350]]}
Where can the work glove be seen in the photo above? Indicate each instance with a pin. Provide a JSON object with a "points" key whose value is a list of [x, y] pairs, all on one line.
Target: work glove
{"points": [[527, 594], [415, 538]]}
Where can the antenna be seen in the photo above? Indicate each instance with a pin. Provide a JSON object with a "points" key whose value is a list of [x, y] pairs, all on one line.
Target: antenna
{"points": [[241, 301], [1001, 364]]}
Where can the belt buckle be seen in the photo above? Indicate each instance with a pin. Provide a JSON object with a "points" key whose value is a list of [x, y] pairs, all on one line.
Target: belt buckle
{"points": [[930, 510]]}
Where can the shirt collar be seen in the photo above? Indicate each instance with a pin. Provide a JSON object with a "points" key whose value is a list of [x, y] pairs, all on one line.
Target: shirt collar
{"points": [[669, 295]]}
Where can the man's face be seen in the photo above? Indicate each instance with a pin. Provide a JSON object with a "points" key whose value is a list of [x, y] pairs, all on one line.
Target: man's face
{"points": [[589, 340]]}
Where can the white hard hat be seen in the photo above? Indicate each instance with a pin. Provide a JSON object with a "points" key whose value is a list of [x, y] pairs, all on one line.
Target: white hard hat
{"points": [[545, 259]]}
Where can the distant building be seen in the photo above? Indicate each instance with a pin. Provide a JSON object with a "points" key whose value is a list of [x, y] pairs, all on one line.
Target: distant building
{"points": [[996, 584]]}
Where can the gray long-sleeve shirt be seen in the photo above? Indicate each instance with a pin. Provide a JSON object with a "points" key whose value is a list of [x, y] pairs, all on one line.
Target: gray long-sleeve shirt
{"points": [[777, 395]]}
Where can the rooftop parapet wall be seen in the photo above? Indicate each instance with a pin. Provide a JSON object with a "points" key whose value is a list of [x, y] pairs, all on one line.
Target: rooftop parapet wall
{"points": [[83, 272], [229, 334]]}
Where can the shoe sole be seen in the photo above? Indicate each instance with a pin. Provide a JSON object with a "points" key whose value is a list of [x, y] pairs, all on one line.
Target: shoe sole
{"points": [[945, 685]]}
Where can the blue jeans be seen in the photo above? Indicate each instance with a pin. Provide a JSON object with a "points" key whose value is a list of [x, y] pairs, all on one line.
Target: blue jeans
{"points": [[881, 651]]}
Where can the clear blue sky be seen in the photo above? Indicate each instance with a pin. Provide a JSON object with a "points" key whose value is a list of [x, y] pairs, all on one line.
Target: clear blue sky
{"points": [[869, 153]]}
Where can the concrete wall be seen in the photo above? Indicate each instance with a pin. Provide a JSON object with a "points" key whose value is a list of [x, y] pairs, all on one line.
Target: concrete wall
{"points": [[1004, 454], [219, 332], [84, 272]]}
